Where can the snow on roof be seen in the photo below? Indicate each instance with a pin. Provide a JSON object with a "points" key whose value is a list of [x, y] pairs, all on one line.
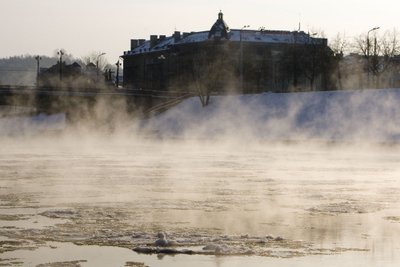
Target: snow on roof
{"points": [[145, 47], [269, 37], [194, 37], [164, 44], [236, 35]]}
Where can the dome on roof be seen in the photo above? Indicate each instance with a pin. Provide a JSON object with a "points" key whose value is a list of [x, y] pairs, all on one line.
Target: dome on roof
{"points": [[220, 29]]}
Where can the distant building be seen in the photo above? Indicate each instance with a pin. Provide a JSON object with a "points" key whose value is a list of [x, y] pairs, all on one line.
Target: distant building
{"points": [[71, 75], [223, 58]]}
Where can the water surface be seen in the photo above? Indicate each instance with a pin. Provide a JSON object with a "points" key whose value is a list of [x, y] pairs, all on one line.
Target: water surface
{"points": [[91, 200]]}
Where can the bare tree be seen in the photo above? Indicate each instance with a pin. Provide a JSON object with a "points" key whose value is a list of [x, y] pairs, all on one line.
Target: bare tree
{"points": [[211, 72], [66, 57], [203, 77], [339, 46], [315, 60], [97, 59], [379, 52], [389, 47]]}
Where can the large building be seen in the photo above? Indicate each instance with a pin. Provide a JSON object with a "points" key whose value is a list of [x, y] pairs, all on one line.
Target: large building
{"points": [[224, 59]]}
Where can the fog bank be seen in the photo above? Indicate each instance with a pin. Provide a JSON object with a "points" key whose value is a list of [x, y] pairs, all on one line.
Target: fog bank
{"points": [[336, 115]]}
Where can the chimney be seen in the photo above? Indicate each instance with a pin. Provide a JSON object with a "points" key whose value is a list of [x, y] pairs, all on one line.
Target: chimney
{"points": [[177, 36], [142, 41], [153, 40], [134, 43], [161, 38]]}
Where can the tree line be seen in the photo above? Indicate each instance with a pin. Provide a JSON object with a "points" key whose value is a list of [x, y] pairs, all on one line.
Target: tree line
{"points": [[22, 70], [369, 60]]}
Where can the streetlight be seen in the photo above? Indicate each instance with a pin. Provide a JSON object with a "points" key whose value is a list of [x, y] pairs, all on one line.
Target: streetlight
{"points": [[118, 64], [60, 53], [313, 59], [38, 58], [241, 55], [368, 46]]}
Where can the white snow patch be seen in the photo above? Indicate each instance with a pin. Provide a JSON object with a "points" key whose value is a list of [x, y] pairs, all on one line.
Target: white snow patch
{"points": [[32, 124], [333, 115]]}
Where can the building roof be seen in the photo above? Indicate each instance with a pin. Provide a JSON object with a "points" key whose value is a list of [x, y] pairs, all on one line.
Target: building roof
{"points": [[220, 30], [90, 65], [76, 65]]}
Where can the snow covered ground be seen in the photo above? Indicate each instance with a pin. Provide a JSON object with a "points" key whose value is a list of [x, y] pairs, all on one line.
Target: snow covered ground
{"points": [[371, 115], [20, 125], [359, 115]]}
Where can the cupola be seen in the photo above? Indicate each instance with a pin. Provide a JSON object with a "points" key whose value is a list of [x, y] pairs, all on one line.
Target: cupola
{"points": [[220, 29]]}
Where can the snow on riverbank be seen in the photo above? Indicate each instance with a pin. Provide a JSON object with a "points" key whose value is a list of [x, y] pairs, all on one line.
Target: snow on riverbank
{"points": [[19, 125], [359, 115], [333, 115]]}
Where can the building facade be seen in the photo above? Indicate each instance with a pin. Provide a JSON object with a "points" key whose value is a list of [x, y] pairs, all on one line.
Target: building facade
{"points": [[224, 59]]}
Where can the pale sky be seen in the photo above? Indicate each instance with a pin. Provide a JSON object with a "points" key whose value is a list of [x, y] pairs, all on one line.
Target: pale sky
{"points": [[84, 26]]}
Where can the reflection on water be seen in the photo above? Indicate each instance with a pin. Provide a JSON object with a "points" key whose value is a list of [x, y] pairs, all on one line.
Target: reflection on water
{"points": [[338, 197]]}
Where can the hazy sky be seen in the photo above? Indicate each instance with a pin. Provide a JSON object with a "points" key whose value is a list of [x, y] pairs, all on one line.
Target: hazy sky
{"points": [[85, 26]]}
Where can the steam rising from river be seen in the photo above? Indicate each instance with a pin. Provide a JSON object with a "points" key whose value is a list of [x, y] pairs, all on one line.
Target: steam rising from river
{"points": [[229, 168], [356, 116]]}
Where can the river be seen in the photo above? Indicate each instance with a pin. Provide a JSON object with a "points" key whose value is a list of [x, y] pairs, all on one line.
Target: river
{"points": [[89, 201]]}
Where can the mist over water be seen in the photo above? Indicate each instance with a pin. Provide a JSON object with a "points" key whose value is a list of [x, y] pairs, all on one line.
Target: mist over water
{"points": [[319, 170], [357, 116]]}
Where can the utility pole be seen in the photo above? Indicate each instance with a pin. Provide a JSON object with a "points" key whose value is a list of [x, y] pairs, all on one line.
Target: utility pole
{"points": [[118, 64], [60, 53], [368, 48], [38, 58]]}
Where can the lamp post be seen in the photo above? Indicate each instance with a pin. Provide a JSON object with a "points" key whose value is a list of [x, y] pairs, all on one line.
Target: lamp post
{"points": [[38, 58], [313, 59], [241, 55], [118, 64], [368, 48], [97, 63], [60, 53]]}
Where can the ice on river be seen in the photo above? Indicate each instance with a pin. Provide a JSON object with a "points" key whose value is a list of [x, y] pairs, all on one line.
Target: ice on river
{"points": [[263, 203]]}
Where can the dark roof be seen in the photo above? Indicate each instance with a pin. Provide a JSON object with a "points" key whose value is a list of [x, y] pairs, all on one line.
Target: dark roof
{"points": [[220, 29], [76, 65], [91, 65]]}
